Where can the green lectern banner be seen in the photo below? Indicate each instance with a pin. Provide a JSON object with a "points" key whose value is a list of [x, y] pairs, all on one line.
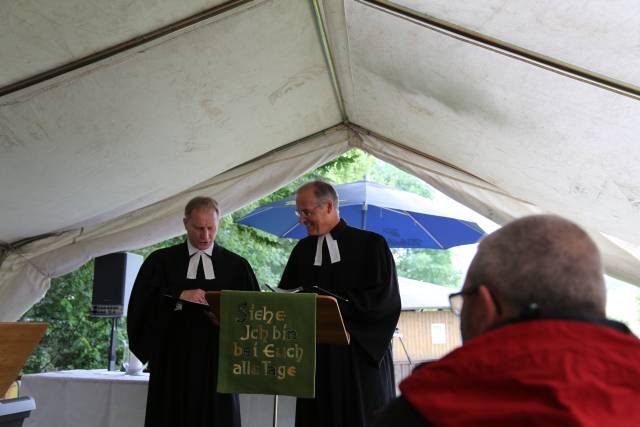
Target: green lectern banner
{"points": [[267, 343]]}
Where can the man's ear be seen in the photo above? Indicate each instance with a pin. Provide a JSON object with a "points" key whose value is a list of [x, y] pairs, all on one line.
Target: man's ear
{"points": [[330, 206], [489, 308]]}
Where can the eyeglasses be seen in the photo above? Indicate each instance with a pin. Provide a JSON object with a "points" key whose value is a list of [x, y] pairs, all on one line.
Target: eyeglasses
{"points": [[456, 300], [306, 212]]}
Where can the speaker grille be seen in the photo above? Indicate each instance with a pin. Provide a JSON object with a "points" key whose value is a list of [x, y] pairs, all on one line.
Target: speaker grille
{"points": [[113, 279]]}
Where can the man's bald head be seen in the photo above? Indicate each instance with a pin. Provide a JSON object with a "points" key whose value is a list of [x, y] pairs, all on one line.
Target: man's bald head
{"points": [[541, 261]]}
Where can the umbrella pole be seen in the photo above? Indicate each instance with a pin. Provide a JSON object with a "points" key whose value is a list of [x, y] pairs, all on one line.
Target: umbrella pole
{"points": [[365, 207]]}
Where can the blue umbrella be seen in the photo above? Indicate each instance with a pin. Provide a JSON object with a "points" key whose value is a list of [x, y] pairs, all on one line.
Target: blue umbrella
{"points": [[406, 220]]}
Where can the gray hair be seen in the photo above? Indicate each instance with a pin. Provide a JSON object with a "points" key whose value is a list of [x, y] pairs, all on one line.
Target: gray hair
{"points": [[322, 191], [201, 202], [543, 260]]}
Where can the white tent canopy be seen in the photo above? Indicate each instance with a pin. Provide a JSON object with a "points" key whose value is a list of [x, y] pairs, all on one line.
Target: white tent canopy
{"points": [[113, 115], [416, 295]]}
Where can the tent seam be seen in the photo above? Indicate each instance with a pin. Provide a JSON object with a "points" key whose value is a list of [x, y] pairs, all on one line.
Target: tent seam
{"points": [[349, 62], [258, 167], [122, 47], [489, 186], [329, 57], [502, 47], [11, 249]]}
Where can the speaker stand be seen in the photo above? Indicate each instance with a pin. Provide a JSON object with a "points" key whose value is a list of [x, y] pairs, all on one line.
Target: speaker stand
{"points": [[114, 344]]}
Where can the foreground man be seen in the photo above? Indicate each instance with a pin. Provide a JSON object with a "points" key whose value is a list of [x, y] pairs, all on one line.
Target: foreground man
{"points": [[178, 338], [538, 350], [354, 381]]}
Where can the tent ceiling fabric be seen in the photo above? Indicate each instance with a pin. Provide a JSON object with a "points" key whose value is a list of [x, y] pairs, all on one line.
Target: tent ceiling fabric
{"points": [[71, 29], [601, 36], [621, 259], [103, 158], [561, 144], [25, 273], [180, 111]]}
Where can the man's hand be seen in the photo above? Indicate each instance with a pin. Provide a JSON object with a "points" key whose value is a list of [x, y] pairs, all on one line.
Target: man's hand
{"points": [[194, 295]]}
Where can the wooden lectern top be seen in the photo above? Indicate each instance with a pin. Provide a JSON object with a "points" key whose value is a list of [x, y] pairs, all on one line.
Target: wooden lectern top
{"points": [[17, 342], [330, 327]]}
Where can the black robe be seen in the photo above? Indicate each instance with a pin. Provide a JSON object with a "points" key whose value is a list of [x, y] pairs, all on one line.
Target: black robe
{"points": [[354, 381], [400, 413], [181, 346]]}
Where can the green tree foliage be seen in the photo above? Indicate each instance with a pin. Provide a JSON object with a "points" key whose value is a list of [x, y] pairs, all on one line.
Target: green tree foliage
{"points": [[268, 255], [428, 265], [73, 339], [76, 340]]}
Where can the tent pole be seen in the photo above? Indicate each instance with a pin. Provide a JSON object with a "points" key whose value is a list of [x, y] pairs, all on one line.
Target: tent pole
{"points": [[121, 47], [328, 54], [361, 130], [504, 48]]}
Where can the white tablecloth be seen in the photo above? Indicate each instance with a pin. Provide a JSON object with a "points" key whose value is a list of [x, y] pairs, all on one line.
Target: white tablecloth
{"points": [[99, 398]]}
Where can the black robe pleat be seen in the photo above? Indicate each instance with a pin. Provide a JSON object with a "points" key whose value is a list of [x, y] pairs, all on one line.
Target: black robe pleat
{"points": [[352, 382], [181, 346]]}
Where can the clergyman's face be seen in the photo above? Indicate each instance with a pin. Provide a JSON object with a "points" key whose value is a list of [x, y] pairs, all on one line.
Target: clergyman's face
{"points": [[314, 216], [202, 227]]}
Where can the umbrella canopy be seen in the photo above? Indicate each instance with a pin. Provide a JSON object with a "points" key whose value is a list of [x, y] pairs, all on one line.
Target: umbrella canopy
{"points": [[406, 220]]}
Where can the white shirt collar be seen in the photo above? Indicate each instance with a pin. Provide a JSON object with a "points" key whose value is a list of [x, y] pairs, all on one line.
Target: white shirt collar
{"points": [[196, 256], [193, 249], [332, 245]]}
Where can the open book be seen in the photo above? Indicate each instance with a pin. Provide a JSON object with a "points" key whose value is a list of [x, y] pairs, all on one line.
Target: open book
{"points": [[287, 291], [314, 288]]}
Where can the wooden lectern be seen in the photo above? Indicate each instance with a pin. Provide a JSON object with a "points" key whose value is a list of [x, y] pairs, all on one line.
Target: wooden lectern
{"points": [[329, 327], [17, 342], [329, 324]]}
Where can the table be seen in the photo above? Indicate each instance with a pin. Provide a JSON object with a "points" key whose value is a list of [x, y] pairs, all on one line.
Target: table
{"points": [[86, 398], [101, 398]]}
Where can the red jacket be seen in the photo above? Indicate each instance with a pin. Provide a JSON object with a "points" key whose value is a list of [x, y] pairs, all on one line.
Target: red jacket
{"points": [[533, 373]]}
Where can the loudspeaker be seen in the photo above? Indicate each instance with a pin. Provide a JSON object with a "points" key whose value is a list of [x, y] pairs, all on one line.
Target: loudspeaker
{"points": [[113, 278]]}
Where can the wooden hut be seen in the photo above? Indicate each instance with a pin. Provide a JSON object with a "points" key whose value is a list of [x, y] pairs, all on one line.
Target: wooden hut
{"points": [[427, 329]]}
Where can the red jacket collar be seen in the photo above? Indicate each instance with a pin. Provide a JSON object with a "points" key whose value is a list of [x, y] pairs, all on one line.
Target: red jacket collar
{"points": [[542, 372]]}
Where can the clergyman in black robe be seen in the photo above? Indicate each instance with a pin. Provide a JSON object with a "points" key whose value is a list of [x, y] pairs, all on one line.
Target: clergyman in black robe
{"points": [[179, 339], [354, 381]]}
